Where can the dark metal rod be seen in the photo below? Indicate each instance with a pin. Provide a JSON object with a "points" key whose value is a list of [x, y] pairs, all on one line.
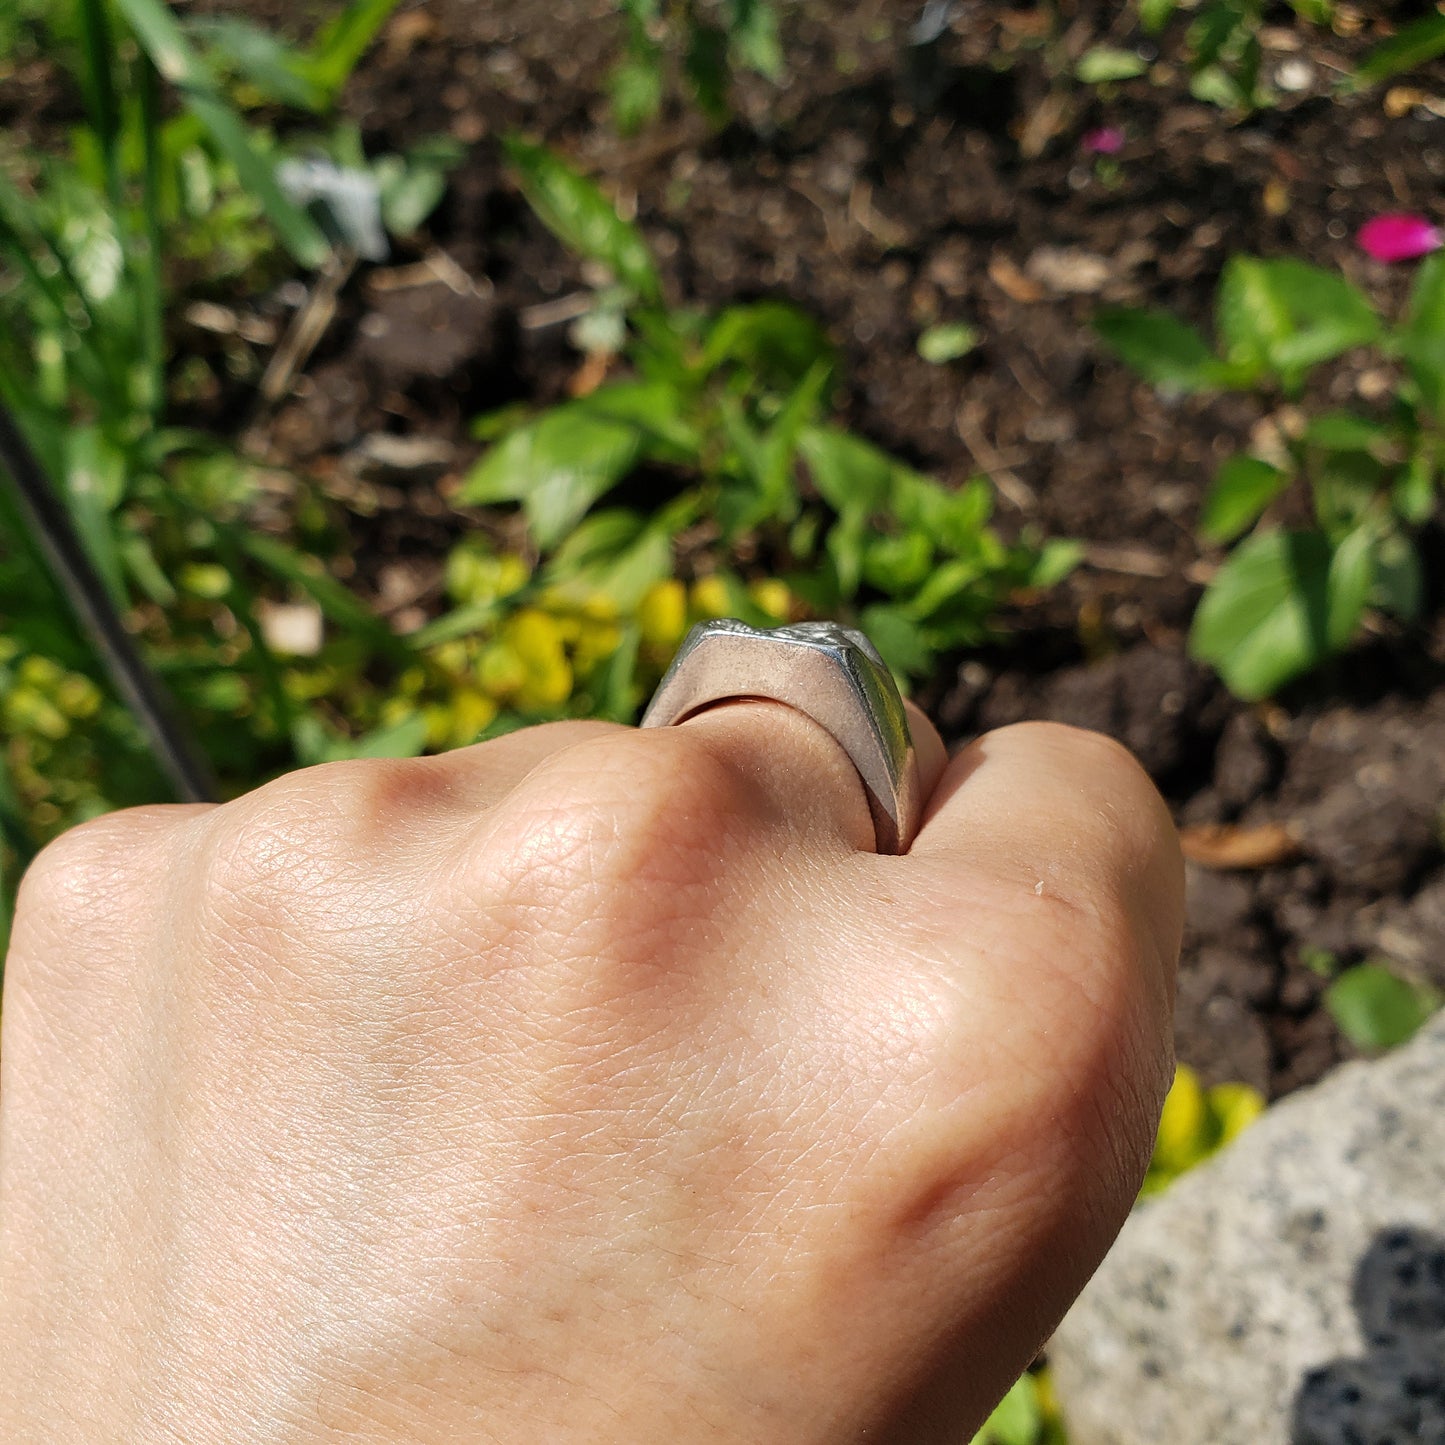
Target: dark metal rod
{"points": [[140, 689]]}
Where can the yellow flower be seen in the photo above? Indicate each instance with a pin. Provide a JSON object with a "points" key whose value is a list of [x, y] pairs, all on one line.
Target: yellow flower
{"points": [[205, 579], [772, 595], [77, 696], [475, 574], [472, 712], [711, 598], [529, 663], [1183, 1127], [662, 614], [1235, 1107]]}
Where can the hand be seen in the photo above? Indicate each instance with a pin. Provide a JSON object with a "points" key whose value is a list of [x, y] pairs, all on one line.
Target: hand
{"points": [[588, 1085]]}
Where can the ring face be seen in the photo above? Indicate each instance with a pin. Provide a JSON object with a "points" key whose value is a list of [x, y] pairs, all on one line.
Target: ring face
{"points": [[831, 673]]}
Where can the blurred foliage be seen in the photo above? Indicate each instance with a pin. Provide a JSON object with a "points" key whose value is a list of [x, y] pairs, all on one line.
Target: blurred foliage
{"points": [[1196, 1123], [724, 428], [695, 46], [1289, 596], [1376, 1008]]}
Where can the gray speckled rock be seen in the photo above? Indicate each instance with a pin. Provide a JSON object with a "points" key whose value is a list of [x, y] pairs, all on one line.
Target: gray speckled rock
{"points": [[1289, 1292]]}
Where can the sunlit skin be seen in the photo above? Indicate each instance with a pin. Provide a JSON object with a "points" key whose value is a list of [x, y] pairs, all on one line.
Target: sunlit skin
{"points": [[588, 1085]]}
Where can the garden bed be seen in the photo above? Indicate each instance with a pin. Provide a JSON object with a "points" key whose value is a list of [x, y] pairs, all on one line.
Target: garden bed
{"points": [[887, 188]]}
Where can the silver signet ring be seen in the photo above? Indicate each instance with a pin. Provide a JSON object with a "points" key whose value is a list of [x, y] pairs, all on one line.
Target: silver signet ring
{"points": [[831, 673]]}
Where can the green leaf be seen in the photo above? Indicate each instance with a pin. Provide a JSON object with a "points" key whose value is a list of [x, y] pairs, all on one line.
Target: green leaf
{"points": [[171, 53], [343, 42], [1375, 1009], [404, 739], [659, 410], [1105, 63], [617, 553], [903, 643], [1425, 315], [557, 467], [581, 217], [1057, 558], [753, 37], [706, 67], [275, 68], [1286, 316], [635, 86], [1399, 578], [1422, 338], [955, 519], [1317, 12], [1414, 45], [772, 341], [1328, 314], [95, 480], [898, 565], [1161, 348], [1345, 431], [1243, 487], [1282, 602], [948, 341], [851, 475], [1154, 15], [1250, 317], [1413, 494], [413, 185], [1018, 1418]]}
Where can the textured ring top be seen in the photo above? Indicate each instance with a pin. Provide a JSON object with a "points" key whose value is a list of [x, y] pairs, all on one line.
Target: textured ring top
{"points": [[831, 673]]}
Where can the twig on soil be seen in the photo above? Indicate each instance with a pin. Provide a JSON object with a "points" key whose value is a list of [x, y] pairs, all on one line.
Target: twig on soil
{"points": [[555, 313], [1225, 846], [1011, 486], [306, 330]]}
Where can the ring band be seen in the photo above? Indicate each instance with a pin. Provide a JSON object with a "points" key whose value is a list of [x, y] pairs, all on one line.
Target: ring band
{"points": [[831, 673]]}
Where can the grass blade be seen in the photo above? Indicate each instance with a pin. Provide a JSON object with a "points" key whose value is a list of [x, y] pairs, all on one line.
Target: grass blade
{"points": [[97, 45], [145, 258], [344, 41], [173, 56]]}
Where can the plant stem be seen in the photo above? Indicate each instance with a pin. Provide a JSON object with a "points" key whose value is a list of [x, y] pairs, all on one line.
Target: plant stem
{"points": [[52, 530]]}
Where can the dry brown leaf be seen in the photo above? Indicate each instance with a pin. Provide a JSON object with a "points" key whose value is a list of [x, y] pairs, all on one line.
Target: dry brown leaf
{"points": [[1012, 282], [1228, 846], [591, 374]]}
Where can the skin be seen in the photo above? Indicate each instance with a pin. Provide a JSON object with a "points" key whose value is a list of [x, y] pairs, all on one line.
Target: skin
{"points": [[585, 1085]]}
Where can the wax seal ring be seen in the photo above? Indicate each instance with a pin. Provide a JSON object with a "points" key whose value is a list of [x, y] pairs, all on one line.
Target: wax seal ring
{"points": [[831, 673]]}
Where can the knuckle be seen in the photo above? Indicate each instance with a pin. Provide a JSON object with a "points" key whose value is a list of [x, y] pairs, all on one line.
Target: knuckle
{"points": [[607, 849], [87, 902], [92, 867], [306, 838]]}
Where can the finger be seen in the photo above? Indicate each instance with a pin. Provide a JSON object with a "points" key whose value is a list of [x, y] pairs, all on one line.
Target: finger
{"points": [[928, 748], [1048, 887], [1068, 813]]}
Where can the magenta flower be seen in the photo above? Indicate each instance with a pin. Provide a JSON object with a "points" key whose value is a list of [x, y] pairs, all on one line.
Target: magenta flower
{"points": [[1107, 140], [1399, 237]]}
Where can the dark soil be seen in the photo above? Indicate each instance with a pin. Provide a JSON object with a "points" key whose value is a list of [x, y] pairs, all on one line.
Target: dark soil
{"points": [[887, 187]]}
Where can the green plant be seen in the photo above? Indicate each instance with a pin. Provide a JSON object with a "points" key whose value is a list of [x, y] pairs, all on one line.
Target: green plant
{"points": [[704, 40], [92, 242], [1288, 596], [1377, 1009], [718, 424], [1221, 46]]}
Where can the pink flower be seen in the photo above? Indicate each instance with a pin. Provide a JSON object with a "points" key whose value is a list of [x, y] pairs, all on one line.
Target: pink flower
{"points": [[1107, 140], [1398, 237]]}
